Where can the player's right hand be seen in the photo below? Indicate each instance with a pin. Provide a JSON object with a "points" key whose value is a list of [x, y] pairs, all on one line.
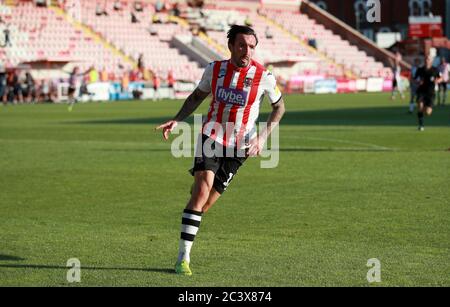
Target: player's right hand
{"points": [[167, 128]]}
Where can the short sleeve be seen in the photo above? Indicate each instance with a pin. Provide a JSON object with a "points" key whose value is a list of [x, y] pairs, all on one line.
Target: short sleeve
{"points": [[205, 82], [270, 87]]}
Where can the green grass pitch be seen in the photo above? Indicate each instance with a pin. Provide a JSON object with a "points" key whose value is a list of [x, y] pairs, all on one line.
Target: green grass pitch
{"points": [[355, 181]]}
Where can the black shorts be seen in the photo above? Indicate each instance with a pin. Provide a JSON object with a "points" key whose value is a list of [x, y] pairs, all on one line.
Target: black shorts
{"points": [[443, 85], [71, 90], [224, 166], [427, 98]]}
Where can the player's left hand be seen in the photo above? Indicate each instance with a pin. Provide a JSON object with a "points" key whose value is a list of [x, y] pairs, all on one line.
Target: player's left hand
{"points": [[256, 147], [167, 128]]}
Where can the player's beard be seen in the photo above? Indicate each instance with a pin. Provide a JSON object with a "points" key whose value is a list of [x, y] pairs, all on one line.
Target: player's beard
{"points": [[243, 62]]}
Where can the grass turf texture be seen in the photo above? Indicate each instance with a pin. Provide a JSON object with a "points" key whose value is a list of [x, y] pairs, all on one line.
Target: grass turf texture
{"points": [[356, 180]]}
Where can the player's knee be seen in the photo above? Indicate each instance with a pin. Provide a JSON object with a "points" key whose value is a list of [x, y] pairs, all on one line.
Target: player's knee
{"points": [[201, 192], [429, 111]]}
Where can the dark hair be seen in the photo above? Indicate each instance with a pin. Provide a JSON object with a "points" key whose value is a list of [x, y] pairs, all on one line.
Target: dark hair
{"points": [[236, 29]]}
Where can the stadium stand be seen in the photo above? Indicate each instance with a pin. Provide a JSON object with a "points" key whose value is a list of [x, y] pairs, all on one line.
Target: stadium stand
{"points": [[128, 39], [40, 33], [333, 46], [134, 38]]}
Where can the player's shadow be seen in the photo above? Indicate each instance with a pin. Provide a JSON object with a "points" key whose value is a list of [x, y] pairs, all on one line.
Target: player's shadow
{"points": [[345, 117], [92, 268], [133, 150], [129, 121], [337, 149], [10, 258], [373, 116]]}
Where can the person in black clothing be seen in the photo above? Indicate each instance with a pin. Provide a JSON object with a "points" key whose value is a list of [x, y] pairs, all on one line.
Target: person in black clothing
{"points": [[140, 61], [117, 5], [13, 88], [138, 6], [29, 88], [427, 76], [2, 85], [134, 19], [7, 34]]}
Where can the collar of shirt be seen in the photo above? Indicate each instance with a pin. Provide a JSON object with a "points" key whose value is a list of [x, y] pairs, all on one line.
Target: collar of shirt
{"points": [[239, 69]]}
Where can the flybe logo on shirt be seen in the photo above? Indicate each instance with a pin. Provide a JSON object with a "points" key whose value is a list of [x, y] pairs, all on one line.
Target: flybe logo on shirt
{"points": [[231, 96]]}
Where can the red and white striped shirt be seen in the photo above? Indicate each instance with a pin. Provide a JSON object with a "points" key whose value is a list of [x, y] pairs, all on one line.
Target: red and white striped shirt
{"points": [[237, 94]]}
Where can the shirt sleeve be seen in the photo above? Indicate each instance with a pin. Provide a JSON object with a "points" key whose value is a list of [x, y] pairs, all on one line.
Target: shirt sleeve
{"points": [[271, 88], [205, 82]]}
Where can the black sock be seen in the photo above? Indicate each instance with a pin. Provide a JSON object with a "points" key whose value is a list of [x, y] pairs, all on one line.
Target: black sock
{"points": [[420, 116]]}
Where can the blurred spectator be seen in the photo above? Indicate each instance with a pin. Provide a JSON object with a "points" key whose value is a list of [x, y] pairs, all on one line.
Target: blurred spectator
{"points": [[413, 85], [140, 62], [156, 19], [137, 93], [312, 42], [44, 91], [134, 75], [269, 34], [112, 76], [48, 91], [125, 81], [152, 30], [248, 22], [171, 83], [196, 3], [94, 75], [29, 88], [195, 30], [40, 3], [134, 18], [175, 10], [159, 6], [147, 75], [444, 70], [138, 6], [103, 75], [100, 10], [62, 4], [156, 85], [2, 84], [117, 5], [14, 90], [397, 81], [261, 12], [7, 35]]}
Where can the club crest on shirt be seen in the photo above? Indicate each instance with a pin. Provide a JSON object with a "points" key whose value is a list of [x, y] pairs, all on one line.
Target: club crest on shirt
{"points": [[248, 82], [222, 73]]}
